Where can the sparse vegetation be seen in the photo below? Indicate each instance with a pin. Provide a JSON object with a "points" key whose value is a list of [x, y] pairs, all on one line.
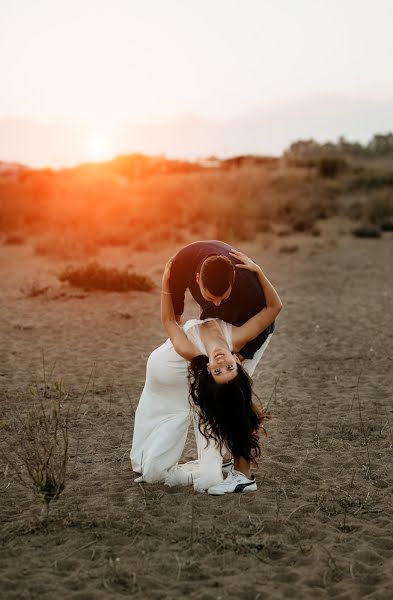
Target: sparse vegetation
{"points": [[321, 520], [95, 276], [289, 249], [14, 239], [34, 289], [309, 152], [147, 202], [65, 247], [39, 457], [379, 208], [331, 166]]}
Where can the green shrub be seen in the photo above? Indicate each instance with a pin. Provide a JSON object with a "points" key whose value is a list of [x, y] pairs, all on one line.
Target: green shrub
{"points": [[94, 276]]}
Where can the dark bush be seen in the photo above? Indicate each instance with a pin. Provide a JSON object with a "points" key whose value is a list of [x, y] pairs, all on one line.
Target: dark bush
{"points": [[387, 225], [367, 231], [97, 277], [331, 166]]}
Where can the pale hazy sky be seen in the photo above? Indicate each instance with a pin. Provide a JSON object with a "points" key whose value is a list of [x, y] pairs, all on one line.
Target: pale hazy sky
{"points": [[100, 64]]}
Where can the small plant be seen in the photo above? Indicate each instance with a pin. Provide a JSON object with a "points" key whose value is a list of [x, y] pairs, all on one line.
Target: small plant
{"points": [[34, 289], [95, 276], [41, 454]]}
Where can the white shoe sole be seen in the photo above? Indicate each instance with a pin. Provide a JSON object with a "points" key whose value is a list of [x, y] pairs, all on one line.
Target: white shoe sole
{"points": [[216, 491]]}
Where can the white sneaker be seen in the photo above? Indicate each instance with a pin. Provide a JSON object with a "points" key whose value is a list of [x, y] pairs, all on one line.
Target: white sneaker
{"points": [[227, 466], [234, 483]]}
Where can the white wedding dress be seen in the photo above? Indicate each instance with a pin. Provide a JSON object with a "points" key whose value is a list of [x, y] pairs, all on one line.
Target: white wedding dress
{"points": [[164, 414]]}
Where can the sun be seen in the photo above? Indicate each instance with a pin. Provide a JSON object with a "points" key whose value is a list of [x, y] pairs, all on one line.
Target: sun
{"points": [[99, 147]]}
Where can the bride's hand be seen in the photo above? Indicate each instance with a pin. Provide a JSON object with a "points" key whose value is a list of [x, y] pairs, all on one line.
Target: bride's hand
{"points": [[245, 261]]}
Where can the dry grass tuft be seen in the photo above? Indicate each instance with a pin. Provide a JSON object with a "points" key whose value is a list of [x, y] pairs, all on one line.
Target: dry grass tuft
{"points": [[40, 453], [95, 276], [379, 208], [289, 249], [14, 239], [65, 247], [33, 290]]}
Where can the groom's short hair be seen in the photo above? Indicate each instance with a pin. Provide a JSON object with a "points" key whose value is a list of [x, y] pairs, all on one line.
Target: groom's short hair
{"points": [[217, 274]]}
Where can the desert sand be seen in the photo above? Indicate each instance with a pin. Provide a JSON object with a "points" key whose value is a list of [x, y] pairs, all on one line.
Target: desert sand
{"points": [[320, 524]]}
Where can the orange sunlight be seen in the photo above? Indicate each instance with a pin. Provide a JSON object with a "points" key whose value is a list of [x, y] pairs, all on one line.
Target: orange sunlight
{"points": [[98, 147]]}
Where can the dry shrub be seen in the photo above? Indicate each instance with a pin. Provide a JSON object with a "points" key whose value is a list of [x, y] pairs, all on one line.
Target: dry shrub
{"points": [[95, 276], [232, 229], [355, 210], [89, 206], [303, 222], [115, 237], [283, 232], [316, 232], [379, 208], [331, 166], [302, 198], [143, 244], [40, 451], [34, 289], [264, 226], [289, 249], [370, 180], [14, 239], [65, 247]]}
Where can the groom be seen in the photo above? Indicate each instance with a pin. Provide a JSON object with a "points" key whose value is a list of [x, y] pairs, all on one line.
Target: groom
{"points": [[208, 270]]}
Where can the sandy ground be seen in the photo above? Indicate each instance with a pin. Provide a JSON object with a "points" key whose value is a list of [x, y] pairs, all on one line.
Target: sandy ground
{"points": [[320, 524]]}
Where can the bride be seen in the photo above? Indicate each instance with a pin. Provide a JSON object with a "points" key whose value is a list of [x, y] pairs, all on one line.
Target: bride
{"points": [[220, 390]]}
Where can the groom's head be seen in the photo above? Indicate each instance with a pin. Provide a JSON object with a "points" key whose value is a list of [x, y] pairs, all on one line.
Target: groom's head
{"points": [[215, 279]]}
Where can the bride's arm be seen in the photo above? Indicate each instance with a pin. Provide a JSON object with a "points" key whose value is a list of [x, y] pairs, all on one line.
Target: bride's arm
{"points": [[262, 320], [176, 334]]}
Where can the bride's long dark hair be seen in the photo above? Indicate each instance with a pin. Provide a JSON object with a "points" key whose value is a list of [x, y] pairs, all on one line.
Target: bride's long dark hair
{"points": [[226, 411]]}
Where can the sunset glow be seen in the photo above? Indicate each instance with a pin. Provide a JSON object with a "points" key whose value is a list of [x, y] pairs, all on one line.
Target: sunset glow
{"points": [[189, 79], [99, 147]]}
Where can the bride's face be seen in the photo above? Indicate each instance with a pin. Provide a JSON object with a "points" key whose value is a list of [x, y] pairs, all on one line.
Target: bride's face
{"points": [[222, 365]]}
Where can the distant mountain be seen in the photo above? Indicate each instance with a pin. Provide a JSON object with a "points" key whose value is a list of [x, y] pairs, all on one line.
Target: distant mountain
{"points": [[260, 131]]}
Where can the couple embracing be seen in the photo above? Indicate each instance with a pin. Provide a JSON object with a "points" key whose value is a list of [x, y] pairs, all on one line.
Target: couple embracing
{"points": [[202, 373]]}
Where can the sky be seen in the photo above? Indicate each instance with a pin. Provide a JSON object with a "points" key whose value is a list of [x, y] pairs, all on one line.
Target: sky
{"points": [[87, 79]]}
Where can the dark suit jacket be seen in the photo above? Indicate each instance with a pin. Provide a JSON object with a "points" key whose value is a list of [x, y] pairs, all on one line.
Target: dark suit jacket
{"points": [[245, 301]]}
